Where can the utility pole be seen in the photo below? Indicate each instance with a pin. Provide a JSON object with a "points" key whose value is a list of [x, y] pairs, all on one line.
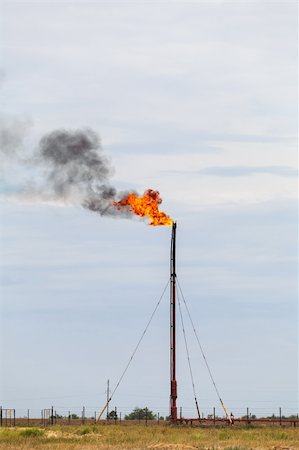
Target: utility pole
{"points": [[173, 382], [108, 397]]}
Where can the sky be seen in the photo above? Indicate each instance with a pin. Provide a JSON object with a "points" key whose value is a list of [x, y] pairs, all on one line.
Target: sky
{"points": [[197, 100]]}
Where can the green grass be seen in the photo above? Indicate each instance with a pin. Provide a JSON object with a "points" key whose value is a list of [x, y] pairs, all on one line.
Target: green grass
{"points": [[140, 437], [235, 448], [31, 432], [84, 430]]}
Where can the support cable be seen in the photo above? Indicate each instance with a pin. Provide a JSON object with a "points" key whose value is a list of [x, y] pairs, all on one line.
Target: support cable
{"points": [[204, 356], [134, 352], [188, 356]]}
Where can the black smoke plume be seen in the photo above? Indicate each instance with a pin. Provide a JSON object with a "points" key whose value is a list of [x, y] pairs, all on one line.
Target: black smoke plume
{"points": [[73, 168], [78, 169]]}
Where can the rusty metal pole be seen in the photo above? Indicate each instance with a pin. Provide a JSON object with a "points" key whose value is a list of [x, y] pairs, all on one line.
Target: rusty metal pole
{"points": [[173, 382]]}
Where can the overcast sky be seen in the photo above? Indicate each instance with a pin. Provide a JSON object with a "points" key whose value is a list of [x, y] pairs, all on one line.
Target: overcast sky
{"points": [[199, 101]]}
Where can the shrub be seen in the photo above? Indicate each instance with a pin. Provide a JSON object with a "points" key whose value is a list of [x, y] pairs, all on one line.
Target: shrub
{"points": [[141, 414], [28, 432], [84, 430]]}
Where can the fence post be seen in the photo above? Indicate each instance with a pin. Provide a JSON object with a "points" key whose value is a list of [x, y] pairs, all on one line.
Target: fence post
{"points": [[120, 418], [69, 417], [158, 418], [1, 416], [52, 415], [279, 416], [115, 415], [247, 414], [14, 417], [214, 415], [95, 417], [83, 415], [146, 416]]}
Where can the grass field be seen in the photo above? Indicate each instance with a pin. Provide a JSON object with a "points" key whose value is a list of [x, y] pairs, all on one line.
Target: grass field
{"points": [[133, 437]]}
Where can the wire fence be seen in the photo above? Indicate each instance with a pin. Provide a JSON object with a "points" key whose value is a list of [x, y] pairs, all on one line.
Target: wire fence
{"points": [[62, 415]]}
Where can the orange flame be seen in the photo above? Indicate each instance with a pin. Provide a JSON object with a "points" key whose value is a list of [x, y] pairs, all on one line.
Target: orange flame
{"points": [[146, 206]]}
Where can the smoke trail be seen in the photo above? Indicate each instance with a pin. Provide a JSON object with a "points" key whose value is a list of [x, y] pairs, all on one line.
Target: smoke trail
{"points": [[78, 169], [12, 134], [68, 166]]}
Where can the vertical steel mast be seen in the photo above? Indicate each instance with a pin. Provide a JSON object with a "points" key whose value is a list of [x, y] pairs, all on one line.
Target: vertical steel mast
{"points": [[173, 382]]}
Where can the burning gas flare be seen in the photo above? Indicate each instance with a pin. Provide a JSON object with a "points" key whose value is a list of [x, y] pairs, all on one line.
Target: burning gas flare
{"points": [[145, 206], [71, 168]]}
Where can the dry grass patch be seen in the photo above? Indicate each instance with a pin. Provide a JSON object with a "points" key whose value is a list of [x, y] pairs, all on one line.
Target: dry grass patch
{"points": [[139, 437]]}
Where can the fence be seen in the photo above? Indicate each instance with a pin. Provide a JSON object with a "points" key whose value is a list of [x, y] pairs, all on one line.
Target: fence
{"points": [[7, 417], [10, 417]]}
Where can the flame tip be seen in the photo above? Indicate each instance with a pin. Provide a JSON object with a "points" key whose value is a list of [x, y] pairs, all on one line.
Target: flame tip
{"points": [[146, 206]]}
